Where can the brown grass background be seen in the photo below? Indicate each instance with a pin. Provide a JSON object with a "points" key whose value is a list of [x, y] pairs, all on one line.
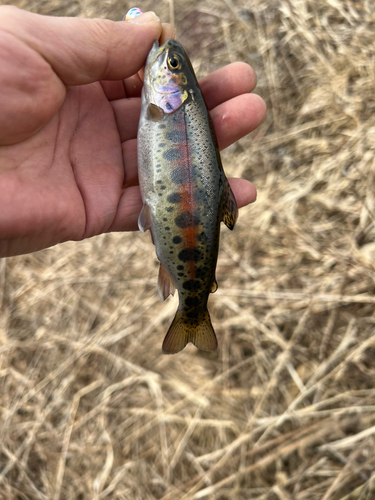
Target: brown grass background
{"points": [[285, 409]]}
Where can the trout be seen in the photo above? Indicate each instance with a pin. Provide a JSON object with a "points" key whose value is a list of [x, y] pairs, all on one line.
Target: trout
{"points": [[184, 190]]}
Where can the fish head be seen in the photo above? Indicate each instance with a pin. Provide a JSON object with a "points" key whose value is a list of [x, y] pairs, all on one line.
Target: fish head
{"points": [[169, 76]]}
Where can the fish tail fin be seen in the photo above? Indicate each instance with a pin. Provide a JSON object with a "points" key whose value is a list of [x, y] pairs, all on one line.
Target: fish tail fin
{"points": [[183, 330]]}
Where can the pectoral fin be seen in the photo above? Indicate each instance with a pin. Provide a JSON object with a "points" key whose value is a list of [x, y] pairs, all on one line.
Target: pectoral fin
{"points": [[154, 113], [230, 210], [165, 284]]}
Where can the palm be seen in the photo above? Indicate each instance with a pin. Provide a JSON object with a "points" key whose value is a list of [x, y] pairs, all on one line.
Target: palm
{"points": [[70, 173]]}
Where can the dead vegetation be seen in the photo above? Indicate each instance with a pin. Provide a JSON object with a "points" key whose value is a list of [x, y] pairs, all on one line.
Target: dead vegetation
{"points": [[91, 409]]}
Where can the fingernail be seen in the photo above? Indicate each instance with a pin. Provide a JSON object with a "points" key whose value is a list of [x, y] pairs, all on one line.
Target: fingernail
{"points": [[132, 13], [145, 18]]}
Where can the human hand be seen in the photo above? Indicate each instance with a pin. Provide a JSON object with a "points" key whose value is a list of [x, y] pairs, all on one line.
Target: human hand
{"points": [[70, 104]]}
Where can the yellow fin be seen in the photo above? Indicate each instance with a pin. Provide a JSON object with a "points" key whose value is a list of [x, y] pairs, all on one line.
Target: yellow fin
{"points": [[181, 332], [165, 284], [230, 210], [214, 286]]}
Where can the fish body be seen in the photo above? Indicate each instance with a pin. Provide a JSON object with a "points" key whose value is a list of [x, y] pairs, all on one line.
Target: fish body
{"points": [[184, 190]]}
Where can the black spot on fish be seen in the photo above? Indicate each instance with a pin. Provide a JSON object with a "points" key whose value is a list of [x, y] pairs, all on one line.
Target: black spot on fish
{"points": [[158, 182], [177, 240], [201, 237], [165, 219], [163, 187], [180, 268], [161, 144], [186, 219], [160, 194], [192, 285], [201, 272], [174, 198], [192, 301], [200, 196], [192, 314], [180, 274], [171, 252], [177, 176], [169, 209], [162, 125], [175, 136], [190, 254], [167, 228], [172, 154]]}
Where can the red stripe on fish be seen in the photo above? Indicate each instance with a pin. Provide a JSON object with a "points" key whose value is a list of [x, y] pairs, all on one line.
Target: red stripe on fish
{"points": [[186, 220]]}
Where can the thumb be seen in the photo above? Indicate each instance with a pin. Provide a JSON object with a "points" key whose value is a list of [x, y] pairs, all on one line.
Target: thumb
{"points": [[82, 51]]}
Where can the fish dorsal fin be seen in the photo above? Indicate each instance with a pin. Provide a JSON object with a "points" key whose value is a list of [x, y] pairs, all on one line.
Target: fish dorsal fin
{"points": [[214, 286], [144, 219], [230, 210], [154, 113], [165, 284]]}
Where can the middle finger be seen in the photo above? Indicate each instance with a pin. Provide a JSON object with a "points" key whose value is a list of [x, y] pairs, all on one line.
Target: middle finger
{"points": [[221, 85], [232, 119]]}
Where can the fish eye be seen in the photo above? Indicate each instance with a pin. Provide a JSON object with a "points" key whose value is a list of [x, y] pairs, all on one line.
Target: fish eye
{"points": [[174, 62]]}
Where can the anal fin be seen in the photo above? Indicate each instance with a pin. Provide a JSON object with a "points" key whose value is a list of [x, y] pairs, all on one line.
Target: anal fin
{"points": [[230, 209], [165, 284]]}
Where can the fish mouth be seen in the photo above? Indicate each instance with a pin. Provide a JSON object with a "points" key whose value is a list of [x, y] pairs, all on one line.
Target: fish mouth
{"points": [[156, 58], [156, 51], [152, 57]]}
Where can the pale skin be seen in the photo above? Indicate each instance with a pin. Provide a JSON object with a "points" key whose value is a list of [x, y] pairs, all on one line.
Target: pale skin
{"points": [[69, 109]]}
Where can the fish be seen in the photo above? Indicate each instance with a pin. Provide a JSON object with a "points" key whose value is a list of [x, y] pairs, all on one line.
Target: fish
{"points": [[184, 190]]}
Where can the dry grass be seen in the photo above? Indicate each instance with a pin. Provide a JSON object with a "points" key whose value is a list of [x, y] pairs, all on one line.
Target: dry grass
{"points": [[91, 409]]}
